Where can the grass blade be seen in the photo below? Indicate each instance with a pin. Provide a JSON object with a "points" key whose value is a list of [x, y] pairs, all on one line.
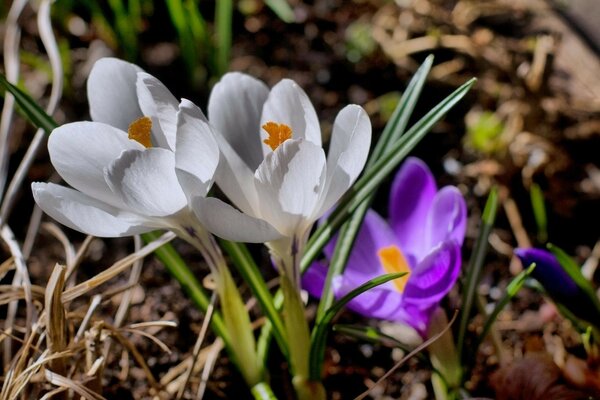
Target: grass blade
{"points": [[378, 172], [282, 9], [188, 281], [319, 334], [31, 109], [392, 131], [511, 291], [539, 212], [223, 18], [476, 264], [250, 273]]}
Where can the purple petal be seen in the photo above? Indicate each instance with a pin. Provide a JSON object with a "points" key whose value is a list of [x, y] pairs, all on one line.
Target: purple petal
{"points": [[548, 272], [411, 197], [313, 279], [434, 276], [380, 302], [417, 316], [363, 263], [447, 219], [558, 284]]}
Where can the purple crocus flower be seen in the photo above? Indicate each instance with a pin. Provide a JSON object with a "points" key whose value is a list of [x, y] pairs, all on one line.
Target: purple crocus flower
{"points": [[558, 284], [423, 237]]}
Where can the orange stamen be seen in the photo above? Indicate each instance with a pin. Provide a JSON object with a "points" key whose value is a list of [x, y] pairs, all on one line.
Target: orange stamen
{"points": [[393, 260], [140, 130], [278, 133]]}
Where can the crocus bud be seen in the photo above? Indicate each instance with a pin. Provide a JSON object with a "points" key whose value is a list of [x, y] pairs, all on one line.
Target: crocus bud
{"points": [[558, 284]]}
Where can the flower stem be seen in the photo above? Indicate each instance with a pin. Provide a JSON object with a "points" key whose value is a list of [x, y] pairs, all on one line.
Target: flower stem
{"points": [[235, 316], [287, 255], [262, 391]]}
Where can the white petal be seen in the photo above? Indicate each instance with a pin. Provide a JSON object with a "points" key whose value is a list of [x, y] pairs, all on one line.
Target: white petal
{"points": [[289, 184], [86, 214], [348, 151], [228, 223], [156, 101], [112, 94], [288, 104], [235, 179], [234, 109], [146, 182], [81, 150], [197, 152]]}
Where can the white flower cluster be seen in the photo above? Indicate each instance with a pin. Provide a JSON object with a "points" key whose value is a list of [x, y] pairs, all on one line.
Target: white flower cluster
{"points": [[147, 161]]}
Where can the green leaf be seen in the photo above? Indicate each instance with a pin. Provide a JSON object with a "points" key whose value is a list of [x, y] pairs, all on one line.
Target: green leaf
{"points": [[223, 18], [319, 334], [370, 334], [476, 264], [188, 281], [297, 326], [31, 109], [282, 9], [125, 28], [241, 258], [378, 172], [392, 131], [539, 211], [512, 289], [239, 326]]}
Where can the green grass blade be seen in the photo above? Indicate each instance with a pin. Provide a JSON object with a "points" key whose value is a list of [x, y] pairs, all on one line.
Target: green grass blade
{"points": [[476, 264], [370, 334], [539, 212], [251, 274], [511, 291], [392, 131], [186, 278], [282, 9], [319, 334], [223, 20], [379, 171], [396, 126], [31, 109], [125, 28]]}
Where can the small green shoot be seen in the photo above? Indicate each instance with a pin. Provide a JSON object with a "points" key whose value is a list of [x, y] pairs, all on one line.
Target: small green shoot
{"points": [[475, 266], [484, 131], [539, 212], [319, 333]]}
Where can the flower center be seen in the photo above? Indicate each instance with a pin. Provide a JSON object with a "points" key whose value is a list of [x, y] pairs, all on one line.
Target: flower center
{"points": [[278, 133], [393, 260], [139, 130]]}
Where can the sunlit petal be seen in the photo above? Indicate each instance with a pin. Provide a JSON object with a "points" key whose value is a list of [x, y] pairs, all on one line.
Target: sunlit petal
{"points": [[228, 223], [80, 151], [157, 102], [112, 95], [197, 152], [146, 182], [234, 108], [86, 214]]}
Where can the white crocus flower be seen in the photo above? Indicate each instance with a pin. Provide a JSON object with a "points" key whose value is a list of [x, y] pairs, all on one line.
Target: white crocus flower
{"points": [[135, 169], [273, 167], [122, 167]]}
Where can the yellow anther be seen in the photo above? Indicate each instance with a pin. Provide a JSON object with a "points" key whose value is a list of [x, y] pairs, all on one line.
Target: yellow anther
{"points": [[393, 260], [140, 130], [278, 133]]}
